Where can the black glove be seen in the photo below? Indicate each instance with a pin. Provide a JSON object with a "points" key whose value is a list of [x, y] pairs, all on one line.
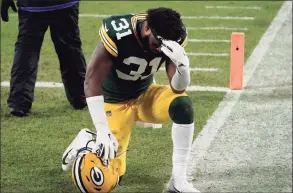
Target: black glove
{"points": [[4, 9]]}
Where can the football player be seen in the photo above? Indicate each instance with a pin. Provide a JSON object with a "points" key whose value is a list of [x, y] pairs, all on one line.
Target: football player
{"points": [[120, 90]]}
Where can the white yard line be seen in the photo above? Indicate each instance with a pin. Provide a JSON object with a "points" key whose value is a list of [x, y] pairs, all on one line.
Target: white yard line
{"points": [[183, 17], [198, 69], [218, 17], [233, 7], [218, 28], [190, 88], [208, 54], [208, 41], [38, 84], [208, 88], [206, 136]]}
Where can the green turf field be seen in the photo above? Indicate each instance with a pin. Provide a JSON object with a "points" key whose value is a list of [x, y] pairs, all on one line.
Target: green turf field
{"points": [[31, 147]]}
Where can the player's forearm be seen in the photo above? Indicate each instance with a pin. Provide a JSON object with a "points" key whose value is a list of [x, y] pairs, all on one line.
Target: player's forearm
{"points": [[181, 79], [92, 86], [96, 109], [178, 80], [97, 71], [95, 103]]}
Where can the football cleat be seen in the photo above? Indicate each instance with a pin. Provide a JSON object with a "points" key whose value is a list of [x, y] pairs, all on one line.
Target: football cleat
{"points": [[77, 147], [91, 174], [184, 187]]}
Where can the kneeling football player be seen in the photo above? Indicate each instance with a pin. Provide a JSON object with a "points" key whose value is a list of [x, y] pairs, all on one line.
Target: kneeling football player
{"points": [[120, 90]]}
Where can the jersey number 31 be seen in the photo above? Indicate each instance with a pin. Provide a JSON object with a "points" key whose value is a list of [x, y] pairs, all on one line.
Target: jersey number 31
{"points": [[122, 26]]}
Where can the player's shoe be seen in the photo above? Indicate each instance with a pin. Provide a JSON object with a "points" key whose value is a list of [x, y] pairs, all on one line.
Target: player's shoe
{"points": [[78, 145], [184, 187]]}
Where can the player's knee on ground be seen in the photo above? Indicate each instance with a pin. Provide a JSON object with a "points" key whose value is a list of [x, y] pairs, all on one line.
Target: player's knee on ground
{"points": [[181, 110]]}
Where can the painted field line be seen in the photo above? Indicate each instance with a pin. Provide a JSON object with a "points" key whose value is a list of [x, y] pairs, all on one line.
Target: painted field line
{"points": [[183, 17], [218, 28], [190, 88], [219, 17], [38, 84], [208, 54], [209, 41], [216, 121], [233, 7], [208, 88], [198, 69]]}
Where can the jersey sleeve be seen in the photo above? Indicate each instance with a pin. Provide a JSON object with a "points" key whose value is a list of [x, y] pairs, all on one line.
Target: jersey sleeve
{"points": [[108, 37]]}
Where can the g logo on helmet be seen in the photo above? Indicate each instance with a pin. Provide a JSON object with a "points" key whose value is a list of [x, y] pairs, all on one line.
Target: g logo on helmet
{"points": [[89, 174], [97, 176]]}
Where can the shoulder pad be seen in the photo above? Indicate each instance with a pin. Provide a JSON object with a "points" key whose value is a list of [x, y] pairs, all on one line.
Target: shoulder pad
{"points": [[113, 29]]}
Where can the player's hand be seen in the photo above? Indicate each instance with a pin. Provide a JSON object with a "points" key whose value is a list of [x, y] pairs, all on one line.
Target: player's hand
{"points": [[4, 9], [106, 144], [176, 53]]}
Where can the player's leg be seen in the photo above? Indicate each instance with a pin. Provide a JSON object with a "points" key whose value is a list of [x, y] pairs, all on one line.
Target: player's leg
{"points": [[66, 38], [31, 30], [160, 105], [121, 118]]}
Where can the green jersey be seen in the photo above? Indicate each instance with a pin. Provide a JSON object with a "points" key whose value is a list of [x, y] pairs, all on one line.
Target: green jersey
{"points": [[133, 67]]}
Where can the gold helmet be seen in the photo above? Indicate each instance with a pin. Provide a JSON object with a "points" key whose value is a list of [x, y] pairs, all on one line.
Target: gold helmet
{"points": [[91, 174]]}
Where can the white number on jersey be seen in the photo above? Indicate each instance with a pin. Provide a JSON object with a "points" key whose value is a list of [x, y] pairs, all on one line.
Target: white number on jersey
{"points": [[142, 63], [123, 25]]}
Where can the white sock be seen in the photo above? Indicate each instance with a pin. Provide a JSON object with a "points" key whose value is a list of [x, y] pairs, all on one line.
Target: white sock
{"points": [[182, 136]]}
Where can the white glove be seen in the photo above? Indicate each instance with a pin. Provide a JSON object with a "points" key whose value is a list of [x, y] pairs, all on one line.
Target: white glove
{"points": [[106, 144], [176, 53]]}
